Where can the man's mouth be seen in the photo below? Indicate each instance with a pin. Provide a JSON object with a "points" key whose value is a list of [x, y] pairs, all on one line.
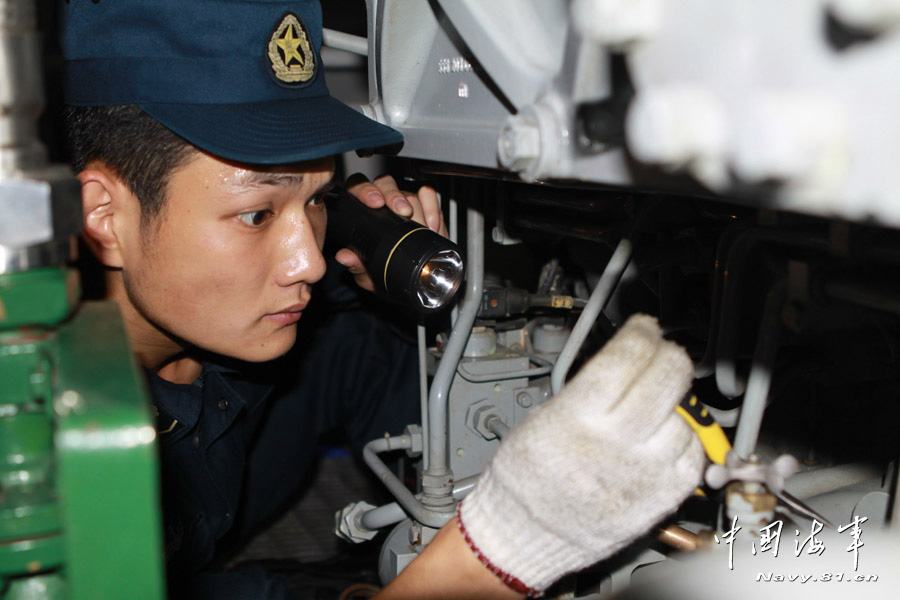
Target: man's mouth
{"points": [[288, 315]]}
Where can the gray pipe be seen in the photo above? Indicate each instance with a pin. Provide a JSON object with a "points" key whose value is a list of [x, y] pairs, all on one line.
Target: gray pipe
{"points": [[808, 484], [462, 327], [724, 417], [496, 426], [760, 373], [454, 236], [707, 365], [600, 296], [389, 514], [730, 384], [422, 344], [545, 367], [410, 503], [375, 519], [344, 41]]}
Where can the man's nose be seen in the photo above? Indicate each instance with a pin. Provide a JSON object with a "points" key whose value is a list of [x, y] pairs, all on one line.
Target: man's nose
{"points": [[301, 260]]}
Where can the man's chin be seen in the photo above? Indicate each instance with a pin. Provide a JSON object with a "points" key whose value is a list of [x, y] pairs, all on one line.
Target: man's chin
{"points": [[274, 346]]}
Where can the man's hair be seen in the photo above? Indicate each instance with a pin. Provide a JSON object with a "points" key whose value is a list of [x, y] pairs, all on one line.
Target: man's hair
{"points": [[141, 151]]}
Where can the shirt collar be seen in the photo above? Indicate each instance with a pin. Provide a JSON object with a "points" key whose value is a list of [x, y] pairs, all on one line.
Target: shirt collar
{"points": [[183, 402]]}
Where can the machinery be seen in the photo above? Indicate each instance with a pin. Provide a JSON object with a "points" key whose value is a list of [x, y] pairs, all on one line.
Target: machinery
{"points": [[725, 166], [79, 515]]}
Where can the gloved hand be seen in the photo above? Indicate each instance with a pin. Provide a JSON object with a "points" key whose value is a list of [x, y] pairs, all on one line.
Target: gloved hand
{"points": [[592, 469]]}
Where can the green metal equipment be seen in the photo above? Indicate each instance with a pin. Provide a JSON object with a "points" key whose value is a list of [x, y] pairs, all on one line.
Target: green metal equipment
{"points": [[79, 508]]}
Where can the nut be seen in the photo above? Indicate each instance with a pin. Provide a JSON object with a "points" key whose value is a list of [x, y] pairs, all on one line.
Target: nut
{"points": [[477, 415], [347, 526], [415, 435]]}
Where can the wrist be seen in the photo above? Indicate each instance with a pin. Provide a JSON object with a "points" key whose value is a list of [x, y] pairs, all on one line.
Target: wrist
{"points": [[510, 580]]}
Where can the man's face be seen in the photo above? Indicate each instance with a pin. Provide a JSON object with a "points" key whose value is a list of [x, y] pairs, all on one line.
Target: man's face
{"points": [[229, 265]]}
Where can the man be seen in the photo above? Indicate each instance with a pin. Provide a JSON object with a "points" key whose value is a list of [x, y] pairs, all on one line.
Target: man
{"points": [[202, 133]]}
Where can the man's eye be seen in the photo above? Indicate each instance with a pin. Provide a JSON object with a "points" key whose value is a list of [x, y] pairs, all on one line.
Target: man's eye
{"points": [[255, 218], [316, 200]]}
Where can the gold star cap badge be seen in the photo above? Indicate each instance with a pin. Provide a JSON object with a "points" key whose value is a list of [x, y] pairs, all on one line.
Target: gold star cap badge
{"points": [[290, 54]]}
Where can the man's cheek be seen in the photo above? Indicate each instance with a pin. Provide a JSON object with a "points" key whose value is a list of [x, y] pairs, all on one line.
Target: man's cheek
{"points": [[320, 233]]}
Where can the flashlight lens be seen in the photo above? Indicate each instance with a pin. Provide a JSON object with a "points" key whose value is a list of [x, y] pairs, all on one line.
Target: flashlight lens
{"points": [[439, 278]]}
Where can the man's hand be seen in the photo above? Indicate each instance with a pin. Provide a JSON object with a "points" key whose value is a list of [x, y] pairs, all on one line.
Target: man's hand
{"points": [[422, 207], [591, 470]]}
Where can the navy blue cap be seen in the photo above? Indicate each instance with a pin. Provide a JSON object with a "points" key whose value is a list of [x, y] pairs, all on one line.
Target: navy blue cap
{"points": [[240, 79]]}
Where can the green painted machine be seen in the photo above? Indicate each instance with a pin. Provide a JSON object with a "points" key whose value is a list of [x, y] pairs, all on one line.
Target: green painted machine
{"points": [[79, 509]]}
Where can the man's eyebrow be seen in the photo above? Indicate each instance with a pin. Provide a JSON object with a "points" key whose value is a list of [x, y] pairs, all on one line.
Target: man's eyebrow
{"points": [[272, 178]]}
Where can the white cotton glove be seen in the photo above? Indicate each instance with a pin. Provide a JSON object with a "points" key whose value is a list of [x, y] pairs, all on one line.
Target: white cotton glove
{"points": [[591, 470]]}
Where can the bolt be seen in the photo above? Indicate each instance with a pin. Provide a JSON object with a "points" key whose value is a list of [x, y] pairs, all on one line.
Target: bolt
{"points": [[460, 452], [415, 534], [519, 145], [498, 388], [524, 400]]}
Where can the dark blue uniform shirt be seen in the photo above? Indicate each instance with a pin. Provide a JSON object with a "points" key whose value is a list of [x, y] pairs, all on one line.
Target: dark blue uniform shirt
{"points": [[235, 443]]}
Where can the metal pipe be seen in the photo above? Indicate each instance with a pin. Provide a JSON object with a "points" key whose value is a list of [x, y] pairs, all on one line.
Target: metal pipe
{"points": [[410, 503], [344, 41], [707, 364], [808, 484], [600, 296], [21, 88], [496, 426], [462, 327], [388, 514], [724, 417], [545, 367], [465, 485], [678, 538], [422, 346], [894, 516], [382, 516], [761, 372], [454, 237], [730, 384]]}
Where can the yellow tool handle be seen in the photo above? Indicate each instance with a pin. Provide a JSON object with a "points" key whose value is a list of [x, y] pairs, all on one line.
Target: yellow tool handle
{"points": [[711, 435]]}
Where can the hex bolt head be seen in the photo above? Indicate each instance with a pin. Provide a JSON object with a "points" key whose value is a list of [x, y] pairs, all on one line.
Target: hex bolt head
{"points": [[346, 523], [415, 434], [524, 400], [519, 145]]}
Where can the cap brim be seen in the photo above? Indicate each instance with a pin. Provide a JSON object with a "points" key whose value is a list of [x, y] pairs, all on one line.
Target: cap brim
{"points": [[275, 132]]}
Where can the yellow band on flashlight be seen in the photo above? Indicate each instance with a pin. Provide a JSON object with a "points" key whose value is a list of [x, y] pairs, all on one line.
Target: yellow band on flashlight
{"points": [[388, 261]]}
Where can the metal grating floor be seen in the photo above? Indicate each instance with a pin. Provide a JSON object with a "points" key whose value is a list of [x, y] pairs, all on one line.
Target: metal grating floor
{"points": [[305, 532]]}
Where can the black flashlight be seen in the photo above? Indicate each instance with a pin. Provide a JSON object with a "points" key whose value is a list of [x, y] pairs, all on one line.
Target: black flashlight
{"points": [[408, 262]]}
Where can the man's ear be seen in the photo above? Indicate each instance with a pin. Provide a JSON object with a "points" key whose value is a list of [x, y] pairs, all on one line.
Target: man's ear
{"points": [[104, 206]]}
